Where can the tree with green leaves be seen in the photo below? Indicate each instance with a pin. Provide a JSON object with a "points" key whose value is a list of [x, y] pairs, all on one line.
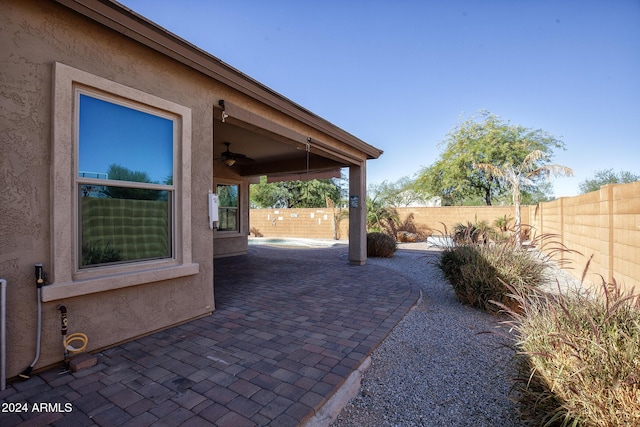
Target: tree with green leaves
{"points": [[294, 194], [516, 177], [120, 173], [604, 177], [400, 193], [483, 138]]}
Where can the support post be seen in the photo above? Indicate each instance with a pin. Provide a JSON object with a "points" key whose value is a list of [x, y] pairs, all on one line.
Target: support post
{"points": [[358, 214], [606, 231]]}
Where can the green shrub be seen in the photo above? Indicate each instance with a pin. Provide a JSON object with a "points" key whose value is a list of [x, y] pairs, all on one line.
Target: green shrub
{"points": [[380, 245], [579, 358], [478, 273]]}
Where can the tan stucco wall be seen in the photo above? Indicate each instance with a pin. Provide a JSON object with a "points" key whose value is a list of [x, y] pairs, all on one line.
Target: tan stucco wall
{"points": [[227, 243], [34, 35]]}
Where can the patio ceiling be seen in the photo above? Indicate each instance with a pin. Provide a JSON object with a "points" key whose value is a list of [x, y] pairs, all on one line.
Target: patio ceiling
{"points": [[271, 154]]}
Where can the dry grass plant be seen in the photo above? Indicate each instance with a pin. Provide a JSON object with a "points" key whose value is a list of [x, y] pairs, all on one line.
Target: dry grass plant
{"points": [[380, 245], [478, 232], [578, 350], [406, 230], [578, 356], [478, 271]]}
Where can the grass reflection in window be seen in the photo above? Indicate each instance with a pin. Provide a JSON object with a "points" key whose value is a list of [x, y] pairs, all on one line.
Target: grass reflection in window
{"points": [[124, 229]]}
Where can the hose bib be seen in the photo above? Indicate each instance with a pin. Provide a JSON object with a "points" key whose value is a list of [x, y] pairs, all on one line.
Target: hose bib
{"points": [[73, 343]]}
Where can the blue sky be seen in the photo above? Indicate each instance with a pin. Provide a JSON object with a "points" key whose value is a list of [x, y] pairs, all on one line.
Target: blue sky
{"points": [[400, 74], [136, 140]]}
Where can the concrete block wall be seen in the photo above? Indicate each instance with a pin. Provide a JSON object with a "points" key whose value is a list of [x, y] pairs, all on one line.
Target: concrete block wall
{"points": [[320, 223], [603, 227], [443, 218], [625, 233], [306, 223]]}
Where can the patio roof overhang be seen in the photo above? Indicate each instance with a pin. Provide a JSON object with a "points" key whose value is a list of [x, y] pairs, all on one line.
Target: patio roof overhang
{"points": [[277, 151]]}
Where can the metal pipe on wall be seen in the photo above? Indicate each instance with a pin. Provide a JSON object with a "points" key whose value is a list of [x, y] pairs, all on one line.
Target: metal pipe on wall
{"points": [[3, 334]]}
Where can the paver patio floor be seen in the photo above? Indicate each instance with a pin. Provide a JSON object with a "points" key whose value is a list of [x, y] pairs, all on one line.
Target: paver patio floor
{"points": [[290, 326]]}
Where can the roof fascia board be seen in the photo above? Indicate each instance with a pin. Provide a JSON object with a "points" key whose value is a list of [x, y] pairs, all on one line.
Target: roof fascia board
{"points": [[129, 23]]}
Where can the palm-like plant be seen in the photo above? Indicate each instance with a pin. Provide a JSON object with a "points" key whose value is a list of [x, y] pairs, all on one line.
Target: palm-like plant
{"points": [[515, 177], [380, 217]]}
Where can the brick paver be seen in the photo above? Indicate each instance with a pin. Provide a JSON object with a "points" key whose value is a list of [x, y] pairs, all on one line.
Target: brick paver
{"points": [[290, 326]]}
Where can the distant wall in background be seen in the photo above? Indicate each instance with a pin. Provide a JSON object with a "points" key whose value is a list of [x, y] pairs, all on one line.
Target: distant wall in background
{"points": [[305, 223], [442, 219], [320, 223], [604, 224]]}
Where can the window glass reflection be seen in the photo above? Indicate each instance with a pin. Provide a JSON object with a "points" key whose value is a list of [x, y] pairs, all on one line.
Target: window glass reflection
{"points": [[124, 144], [227, 207]]}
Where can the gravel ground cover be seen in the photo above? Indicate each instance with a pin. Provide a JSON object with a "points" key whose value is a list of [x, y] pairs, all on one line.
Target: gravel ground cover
{"points": [[444, 364]]}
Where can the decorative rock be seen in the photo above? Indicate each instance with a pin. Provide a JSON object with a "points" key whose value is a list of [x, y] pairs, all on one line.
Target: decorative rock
{"points": [[405, 236]]}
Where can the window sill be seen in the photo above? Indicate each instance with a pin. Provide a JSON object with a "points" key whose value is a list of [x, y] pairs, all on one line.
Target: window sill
{"points": [[227, 233], [58, 291]]}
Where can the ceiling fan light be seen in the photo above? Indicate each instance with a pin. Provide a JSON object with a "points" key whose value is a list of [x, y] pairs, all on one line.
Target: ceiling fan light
{"points": [[229, 162]]}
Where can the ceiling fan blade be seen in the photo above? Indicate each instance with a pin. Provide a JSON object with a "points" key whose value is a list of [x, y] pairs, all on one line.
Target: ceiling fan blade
{"points": [[229, 155]]}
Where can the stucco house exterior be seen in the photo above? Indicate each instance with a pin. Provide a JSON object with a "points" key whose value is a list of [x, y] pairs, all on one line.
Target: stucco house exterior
{"points": [[114, 133]]}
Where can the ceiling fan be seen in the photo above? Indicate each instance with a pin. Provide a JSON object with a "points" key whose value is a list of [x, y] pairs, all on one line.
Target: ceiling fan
{"points": [[229, 158]]}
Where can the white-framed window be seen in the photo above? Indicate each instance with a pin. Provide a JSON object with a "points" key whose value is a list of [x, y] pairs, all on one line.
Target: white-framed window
{"points": [[121, 174], [228, 206]]}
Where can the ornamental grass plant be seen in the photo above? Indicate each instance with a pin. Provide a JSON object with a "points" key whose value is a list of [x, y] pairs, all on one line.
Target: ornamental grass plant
{"points": [[578, 357], [478, 272], [577, 349], [381, 245]]}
